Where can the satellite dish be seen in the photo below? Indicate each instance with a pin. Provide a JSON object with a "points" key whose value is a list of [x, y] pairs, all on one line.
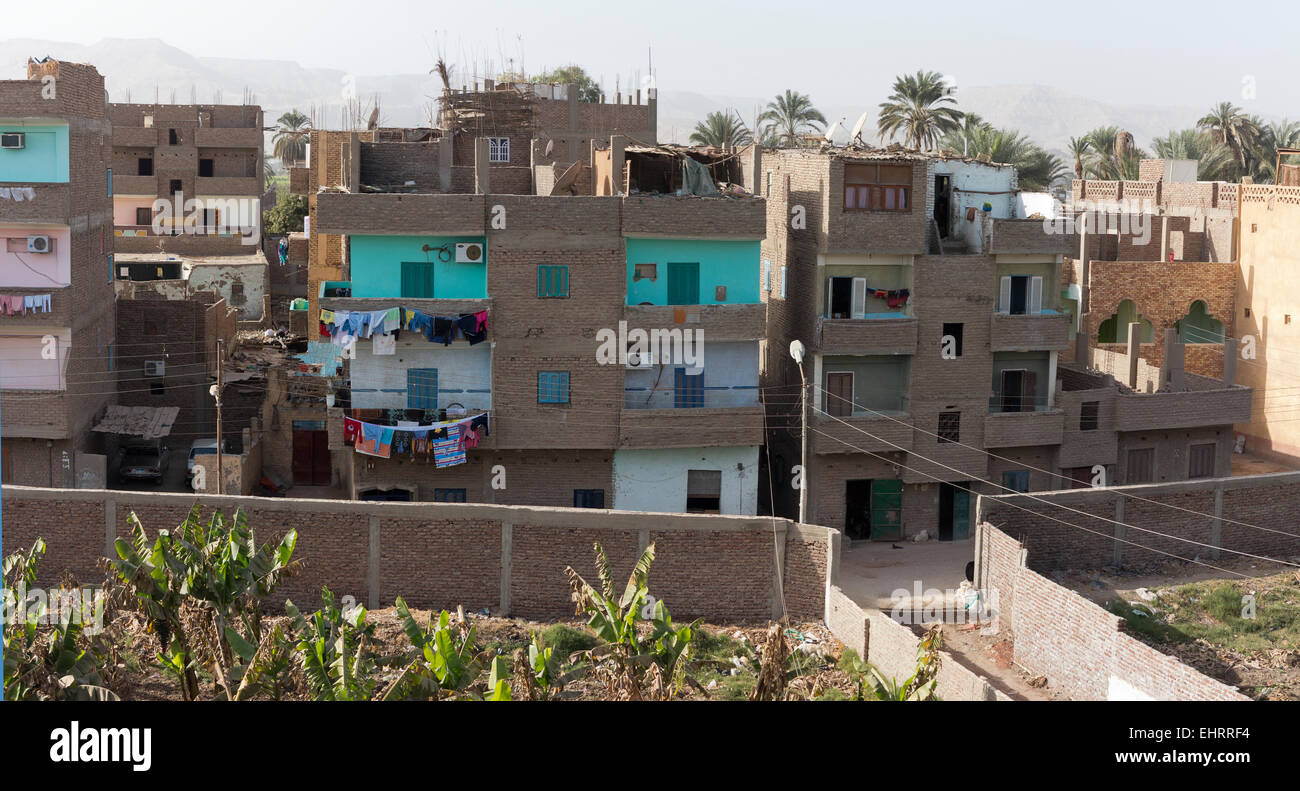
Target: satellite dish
{"points": [[856, 135], [550, 146], [830, 133]]}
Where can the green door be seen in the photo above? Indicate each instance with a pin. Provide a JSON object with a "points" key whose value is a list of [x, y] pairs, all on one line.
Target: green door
{"points": [[961, 513], [887, 510], [683, 283]]}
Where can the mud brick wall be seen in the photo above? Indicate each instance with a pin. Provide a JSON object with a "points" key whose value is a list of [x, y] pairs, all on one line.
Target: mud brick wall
{"points": [[506, 559]]}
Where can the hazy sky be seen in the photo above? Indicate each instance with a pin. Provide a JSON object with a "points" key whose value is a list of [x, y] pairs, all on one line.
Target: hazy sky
{"points": [[1192, 53]]}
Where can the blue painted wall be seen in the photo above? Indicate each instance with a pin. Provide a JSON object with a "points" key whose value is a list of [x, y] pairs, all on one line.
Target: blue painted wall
{"points": [[43, 160], [730, 263], [377, 266]]}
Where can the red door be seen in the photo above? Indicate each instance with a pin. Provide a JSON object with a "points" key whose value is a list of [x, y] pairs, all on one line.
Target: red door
{"points": [[320, 470], [304, 451]]}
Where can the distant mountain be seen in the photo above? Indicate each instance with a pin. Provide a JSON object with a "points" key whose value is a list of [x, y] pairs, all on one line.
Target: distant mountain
{"points": [[145, 68]]}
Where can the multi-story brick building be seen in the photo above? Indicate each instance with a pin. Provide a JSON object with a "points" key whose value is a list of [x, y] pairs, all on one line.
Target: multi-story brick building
{"points": [[933, 320], [56, 276], [563, 280]]}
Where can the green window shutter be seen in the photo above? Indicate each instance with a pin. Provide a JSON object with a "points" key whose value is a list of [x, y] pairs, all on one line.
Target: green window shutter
{"points": [[417, 280], [552, 281]]}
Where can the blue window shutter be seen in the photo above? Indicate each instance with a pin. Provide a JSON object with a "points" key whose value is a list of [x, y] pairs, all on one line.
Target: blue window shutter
{"points": [[422, 388], [552, 387]]}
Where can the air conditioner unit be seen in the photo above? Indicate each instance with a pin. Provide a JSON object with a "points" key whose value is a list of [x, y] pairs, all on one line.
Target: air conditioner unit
{"points": [[38, 244], [640, 361], [13, 140], [154, 367], [468, 253]]}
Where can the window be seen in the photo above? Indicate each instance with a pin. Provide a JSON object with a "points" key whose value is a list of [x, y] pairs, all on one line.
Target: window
{"points": [[205, 168], [688, 389], [588, 498], [110, 182], [1141, 466], [237, 294], [683, 283], [110, 267], [1016, 480], [174, 186], [1200, 460], [553, 282], [173, 139], [148, 122], [769, 184], [645, 272], [1020, 294], [552, 387], [877, 187], [703, 491], [848, 297], [449, 495], [421, 388], [954, 330], [157, 387], [110, 357], [144, 166], [783, 268], [766, 283], [1019, 391], [144, 216], [1088, 415], [949, 427], [417, 279], [151, 327], [498, 149]]}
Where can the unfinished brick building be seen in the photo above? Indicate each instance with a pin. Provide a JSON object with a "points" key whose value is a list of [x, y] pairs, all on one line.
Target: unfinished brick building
{"points": [[56, 250], [554, 274], [933, 319]]}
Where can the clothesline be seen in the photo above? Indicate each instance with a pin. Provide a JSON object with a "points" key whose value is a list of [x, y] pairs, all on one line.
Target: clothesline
{"points": [[11, 304], [343, 327], [445, 442]]}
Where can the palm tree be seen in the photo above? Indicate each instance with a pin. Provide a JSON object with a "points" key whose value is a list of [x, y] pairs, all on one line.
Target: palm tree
{"points": [[1283, 134], [1234, 129], [788, 115], [290, 141], [722, 129], [268, 173], [1037, 169], [922, 107], [1081, 149], [1214, 160], [1114, 156]]}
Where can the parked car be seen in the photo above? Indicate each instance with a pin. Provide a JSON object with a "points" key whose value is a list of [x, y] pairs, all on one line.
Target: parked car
{"points": [[143, 460], [201, 447]]}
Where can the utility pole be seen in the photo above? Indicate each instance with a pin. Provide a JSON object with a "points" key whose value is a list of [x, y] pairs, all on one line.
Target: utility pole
{"points": [[221, 347], [797, 352]]}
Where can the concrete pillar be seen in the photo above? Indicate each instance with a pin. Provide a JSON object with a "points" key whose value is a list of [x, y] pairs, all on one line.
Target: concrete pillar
{"points": [[482, 183], [444, 162], [1164, 237], [1173, 376], [617, 144], [507, 545], [374, 552], [756, 168], [571, 96], [1134, 349], [354, 162], [1083, 341], [1229, 362], [652, 114]]}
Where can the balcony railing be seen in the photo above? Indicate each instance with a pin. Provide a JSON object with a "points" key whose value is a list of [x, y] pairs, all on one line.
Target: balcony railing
{"points": [[1029, 331], [877, 334], [691, 428], [717, 322], [1024, 429]]}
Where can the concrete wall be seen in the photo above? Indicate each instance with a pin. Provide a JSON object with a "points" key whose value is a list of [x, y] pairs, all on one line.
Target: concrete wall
{"points": [[655, 478], [508, 559], [376, 265], [730, 377], [730, 264], [464, 373], [43, 157]]}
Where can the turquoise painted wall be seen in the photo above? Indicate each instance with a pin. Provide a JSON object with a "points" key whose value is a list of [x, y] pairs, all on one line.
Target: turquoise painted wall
{"points": [[43, 160], [730, 263], [377, 266]]}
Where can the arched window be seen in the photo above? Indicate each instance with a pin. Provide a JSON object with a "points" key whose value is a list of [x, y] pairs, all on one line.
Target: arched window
{"points": [[1115, 328], [1198, 326]]}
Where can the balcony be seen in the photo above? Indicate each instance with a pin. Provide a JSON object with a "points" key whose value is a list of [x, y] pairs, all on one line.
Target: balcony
{"points": [[391, 417], [299, 180], [50, 203], [228, 185], [226, 137], [1029, 332], [717, 322], [134, 137], [893, 335], [429, 307], [691, 428], [690, 217], [59, 315], [1030, 236], [401, 215], [34, 414], [1207, 404], [1022, 429], [874, 433], [135, 185]]}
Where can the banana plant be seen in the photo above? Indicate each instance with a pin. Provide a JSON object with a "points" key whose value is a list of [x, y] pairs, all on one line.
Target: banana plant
{"points": [[447, 660], [59, 663], [201, 588], [332, 650]]}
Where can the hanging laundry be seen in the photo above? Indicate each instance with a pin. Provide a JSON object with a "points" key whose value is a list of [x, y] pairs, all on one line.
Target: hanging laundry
{"points": [[468, 437], [448, 452], [402, 442], [469, 327], [444, 330], [284, 251], [383, 345], [327, 316], [480, 423], [351, 428], [368, 439]]}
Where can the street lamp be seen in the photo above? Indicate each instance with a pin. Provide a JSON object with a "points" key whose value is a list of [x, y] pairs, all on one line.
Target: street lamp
{"points": [[797, 352]]}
